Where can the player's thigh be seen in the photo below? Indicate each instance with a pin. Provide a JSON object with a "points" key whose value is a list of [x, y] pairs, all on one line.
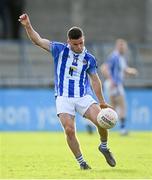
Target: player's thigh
{"points": [[118, 101], [121, 106], [121, 101], [113, 101], [92, 113]]}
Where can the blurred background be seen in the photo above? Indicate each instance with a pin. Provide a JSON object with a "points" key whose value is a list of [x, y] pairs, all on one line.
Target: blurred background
{"points": [[26, 72]]}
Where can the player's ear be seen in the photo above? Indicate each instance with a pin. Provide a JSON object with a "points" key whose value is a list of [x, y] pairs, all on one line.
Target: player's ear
{"points": [[68, 40], [83, 38]]}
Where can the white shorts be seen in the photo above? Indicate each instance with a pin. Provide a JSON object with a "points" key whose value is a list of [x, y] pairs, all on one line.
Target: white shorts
{"points": [[118, 91], [72, 105], [113, 91]]}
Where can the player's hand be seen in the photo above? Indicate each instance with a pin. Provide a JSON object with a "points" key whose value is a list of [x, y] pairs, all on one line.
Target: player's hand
{"points": [[132, 71], [105, 105], [24, 19]]}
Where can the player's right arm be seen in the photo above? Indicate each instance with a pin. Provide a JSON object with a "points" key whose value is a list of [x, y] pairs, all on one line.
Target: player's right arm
{"points": [[105, 71], [32, 34]]}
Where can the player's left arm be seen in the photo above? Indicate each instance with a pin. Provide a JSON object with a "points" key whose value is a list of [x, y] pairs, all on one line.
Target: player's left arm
{"points": [[97, 87]]}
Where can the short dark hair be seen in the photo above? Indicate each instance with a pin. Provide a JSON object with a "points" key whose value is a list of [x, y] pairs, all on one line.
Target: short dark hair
{"points": [[75, 33]]}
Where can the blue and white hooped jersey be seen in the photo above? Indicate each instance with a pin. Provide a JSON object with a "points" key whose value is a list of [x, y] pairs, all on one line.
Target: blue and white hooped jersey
{"points": [[117, 65], [71, 70]]}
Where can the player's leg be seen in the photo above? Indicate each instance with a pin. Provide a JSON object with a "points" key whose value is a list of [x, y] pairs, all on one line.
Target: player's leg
{"points": [[68, 124], [66, 112], [122, 114], [117, 100], [91, 114]]}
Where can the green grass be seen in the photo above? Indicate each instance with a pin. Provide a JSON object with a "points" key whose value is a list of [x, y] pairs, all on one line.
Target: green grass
{"points": [[46, 155]]}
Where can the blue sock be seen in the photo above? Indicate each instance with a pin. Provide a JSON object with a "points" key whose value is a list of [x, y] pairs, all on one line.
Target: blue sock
{"points": [[122, 123], [80, 159], [103, 144]]}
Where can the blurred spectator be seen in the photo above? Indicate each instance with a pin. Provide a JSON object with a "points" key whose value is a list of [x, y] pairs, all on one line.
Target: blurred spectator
{"points": [[114, 71], [16, 8], [3, 19]]}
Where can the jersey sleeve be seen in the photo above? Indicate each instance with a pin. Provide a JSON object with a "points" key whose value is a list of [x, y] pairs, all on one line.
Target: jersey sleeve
{"points": [[92, 66], [56, 48]]}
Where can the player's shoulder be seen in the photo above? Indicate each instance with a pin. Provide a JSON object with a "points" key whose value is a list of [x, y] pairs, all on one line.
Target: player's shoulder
{"points": [[113, 56], [58, 46], [89, 56]]}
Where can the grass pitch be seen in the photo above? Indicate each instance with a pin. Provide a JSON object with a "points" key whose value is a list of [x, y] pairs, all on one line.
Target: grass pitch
{"points": [[45, 155]]}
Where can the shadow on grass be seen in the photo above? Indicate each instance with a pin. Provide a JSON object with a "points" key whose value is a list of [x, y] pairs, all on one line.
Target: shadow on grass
{"points": [[118, 170], [114, 173]]}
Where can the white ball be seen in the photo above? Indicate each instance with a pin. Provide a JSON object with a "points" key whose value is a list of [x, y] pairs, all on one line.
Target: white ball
{"points": [[107, 118]]}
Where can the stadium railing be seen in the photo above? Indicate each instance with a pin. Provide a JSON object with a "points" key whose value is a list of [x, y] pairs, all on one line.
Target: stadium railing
{"points": [[23, 64]]}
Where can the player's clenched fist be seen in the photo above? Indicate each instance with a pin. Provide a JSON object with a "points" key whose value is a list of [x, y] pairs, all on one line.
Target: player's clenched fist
{"points": [[24, 19]]}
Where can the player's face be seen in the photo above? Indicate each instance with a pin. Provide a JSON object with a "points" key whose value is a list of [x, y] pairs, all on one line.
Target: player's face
{"points": [[122, 47], [77, 45]]}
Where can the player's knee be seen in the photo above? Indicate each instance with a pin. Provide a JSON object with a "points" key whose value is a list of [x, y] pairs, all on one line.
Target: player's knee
{"points": [[70, 131]]}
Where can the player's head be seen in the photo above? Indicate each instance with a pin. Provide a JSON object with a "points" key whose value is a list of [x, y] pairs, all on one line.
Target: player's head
{"points": [[76, 39], [121, 46]]}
